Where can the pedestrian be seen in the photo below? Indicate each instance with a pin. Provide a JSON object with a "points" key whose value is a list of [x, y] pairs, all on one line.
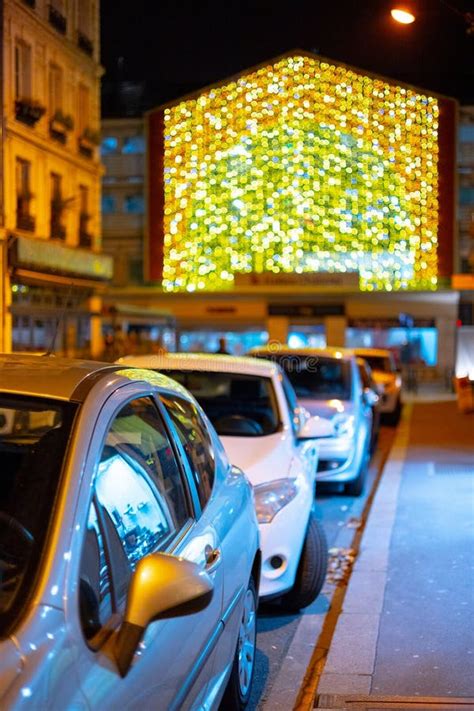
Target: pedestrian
{"points": [[222, 346]]}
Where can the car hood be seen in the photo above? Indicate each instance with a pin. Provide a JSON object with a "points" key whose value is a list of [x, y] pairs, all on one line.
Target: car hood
{"points": [[10, 665], [261, 458], [328, 408]]}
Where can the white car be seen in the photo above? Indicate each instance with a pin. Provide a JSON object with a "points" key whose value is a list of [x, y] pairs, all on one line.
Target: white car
{"points": [[387, 379], [254, 409], [129, 563]]}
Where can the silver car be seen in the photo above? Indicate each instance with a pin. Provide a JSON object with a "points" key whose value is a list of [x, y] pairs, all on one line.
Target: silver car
{"points": [[327, 383], [129, 564]]}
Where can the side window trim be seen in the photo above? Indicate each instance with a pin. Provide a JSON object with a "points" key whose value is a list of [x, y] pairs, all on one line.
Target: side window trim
{"points": [[186, 473]]}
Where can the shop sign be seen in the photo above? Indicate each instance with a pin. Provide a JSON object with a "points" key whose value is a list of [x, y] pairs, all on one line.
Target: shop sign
{"points": [[47, 256], [391, 323], [463, 282], [323, 280], [311, 310]]}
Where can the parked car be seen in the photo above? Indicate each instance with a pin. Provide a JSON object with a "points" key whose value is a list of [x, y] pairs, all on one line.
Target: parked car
{"points": [[255, 411], [129, 566], [327, 383], [372, 398], [388, 380]]}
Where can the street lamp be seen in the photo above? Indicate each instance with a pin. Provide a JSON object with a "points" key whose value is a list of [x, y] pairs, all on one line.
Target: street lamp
{"points": [[402, 15]]}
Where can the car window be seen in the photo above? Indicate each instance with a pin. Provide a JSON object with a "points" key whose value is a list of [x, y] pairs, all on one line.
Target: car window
{"points": [[95, 600], [196, 441], [238, 405], [138, 481], [315, 377], [292, 401]]}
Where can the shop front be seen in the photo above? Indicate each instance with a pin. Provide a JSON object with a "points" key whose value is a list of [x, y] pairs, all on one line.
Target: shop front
{"points": [[53, 298]]}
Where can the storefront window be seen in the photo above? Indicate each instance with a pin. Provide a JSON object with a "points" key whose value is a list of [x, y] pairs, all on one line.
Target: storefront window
{"points": [[410, 345], [237, 342], [307, 336]]}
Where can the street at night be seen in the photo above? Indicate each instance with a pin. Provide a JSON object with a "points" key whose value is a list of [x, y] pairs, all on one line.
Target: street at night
{"points": [[236, 355]]}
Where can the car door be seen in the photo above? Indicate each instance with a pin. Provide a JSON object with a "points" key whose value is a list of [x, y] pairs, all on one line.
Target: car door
{"points": [[141, 501]]}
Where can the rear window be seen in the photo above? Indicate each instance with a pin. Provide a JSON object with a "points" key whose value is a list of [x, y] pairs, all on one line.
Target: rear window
{"points": [[315, 377], [237, 405], [381, 363]]}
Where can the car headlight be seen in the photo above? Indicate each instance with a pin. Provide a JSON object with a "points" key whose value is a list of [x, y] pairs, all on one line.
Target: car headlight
{"points": [[273, 496], [344, 426]]}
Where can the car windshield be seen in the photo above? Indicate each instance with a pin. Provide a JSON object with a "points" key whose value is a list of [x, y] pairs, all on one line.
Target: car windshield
{"points": [[383, 363], [237, 405], [33, 437], [316, 377]]}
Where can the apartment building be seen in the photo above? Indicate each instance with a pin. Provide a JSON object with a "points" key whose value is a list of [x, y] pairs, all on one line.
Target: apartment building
{"points": [[52, 268]]}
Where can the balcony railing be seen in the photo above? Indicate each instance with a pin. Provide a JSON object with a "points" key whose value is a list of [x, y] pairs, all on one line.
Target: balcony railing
{"points": [[85, 239], [25, 222], [58, 231], [84, 43], [57, 20]]}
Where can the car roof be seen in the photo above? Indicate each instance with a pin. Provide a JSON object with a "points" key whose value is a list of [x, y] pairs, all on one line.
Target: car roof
{"points": [[330, 352], [382, 352], [66, 378], [204, 361]]}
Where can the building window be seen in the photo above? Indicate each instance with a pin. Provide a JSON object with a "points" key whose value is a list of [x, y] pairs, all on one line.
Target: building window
{"points": [[57, 15], [84, 26], [466, 133], [466, 195], [109, 145], [134, 204], [109, 204], [24, 221], [23, 84], [85, 238], [134, 144], [55, 88], [58, 231], [83, 119]]}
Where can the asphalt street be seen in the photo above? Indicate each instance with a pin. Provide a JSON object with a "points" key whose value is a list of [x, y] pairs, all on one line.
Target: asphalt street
{"points": [[276, 630]]}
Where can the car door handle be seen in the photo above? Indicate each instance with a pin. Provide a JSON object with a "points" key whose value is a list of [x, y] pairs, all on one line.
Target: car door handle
{"points": [[213, 558]]}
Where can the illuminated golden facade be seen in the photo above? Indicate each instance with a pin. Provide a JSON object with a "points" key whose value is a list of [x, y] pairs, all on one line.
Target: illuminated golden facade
{"points": [[302, 166]]}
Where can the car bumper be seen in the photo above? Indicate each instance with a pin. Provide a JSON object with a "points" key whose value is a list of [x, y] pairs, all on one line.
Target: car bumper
{"points": [[389, 400], [281, 542], [340, 458]]}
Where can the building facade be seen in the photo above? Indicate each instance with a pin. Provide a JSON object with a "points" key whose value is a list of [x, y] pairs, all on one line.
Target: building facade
{"points": [[466, 189], [251, 201], [53, 269]]}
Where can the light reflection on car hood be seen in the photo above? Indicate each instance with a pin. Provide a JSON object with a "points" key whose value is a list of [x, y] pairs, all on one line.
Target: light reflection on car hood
{"points": [[261, 458], [328, 408]]}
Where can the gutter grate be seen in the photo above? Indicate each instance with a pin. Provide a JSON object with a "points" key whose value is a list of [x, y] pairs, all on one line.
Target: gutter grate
{"points": [[330, 702]]}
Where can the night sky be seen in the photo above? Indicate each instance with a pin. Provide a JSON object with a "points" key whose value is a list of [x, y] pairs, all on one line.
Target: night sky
{"points": [[173, 47]]}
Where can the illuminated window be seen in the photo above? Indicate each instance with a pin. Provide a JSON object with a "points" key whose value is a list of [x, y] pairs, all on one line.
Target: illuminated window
{"points": [[134, 204], [302, 166], [109, 204], [134, 144], [109, 145]]}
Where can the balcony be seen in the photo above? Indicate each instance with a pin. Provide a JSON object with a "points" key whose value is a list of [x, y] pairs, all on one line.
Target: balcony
{"points": [[30, 3], [58, 231], [28, 111], [25, 222], [85, 240], [85, 44], [59, 125], [57, 20], [88, 141]]}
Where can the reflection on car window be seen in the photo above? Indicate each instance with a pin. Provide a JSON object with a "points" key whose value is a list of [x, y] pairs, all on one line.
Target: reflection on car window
{"points": [[237, 405], [316, 378], [196, 443], [138, 481], [290, 396]]}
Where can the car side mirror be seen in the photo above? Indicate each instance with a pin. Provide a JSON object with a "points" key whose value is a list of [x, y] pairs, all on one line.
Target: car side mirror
{"points": [[315, 428], [161, 586], [370, 397]]}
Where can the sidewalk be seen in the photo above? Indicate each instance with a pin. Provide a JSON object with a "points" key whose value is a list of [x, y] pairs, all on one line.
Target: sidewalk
{"points": [[405, 637]]}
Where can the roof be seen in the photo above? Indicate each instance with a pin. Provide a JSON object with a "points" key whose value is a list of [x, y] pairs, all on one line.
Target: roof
{"points": [[382, 352], [203, 361], [330, 352], [47, 376], [67, 378]]}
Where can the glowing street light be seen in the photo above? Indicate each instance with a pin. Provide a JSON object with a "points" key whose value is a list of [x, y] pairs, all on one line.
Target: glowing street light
{"points": [[402, 15]]}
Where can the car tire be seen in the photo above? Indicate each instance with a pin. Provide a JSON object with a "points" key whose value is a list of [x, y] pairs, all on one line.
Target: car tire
{"points": [[356, 486], [311, 571], [239, 686], [393, 418]]}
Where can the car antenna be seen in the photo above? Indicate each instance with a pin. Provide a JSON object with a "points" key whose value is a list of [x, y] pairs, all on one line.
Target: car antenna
{"points": [[60, 318]]}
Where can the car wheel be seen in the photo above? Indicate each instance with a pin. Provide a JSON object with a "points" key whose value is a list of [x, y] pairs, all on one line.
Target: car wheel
{"points": [[312, 568], [239, 686], [356, 486]]}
